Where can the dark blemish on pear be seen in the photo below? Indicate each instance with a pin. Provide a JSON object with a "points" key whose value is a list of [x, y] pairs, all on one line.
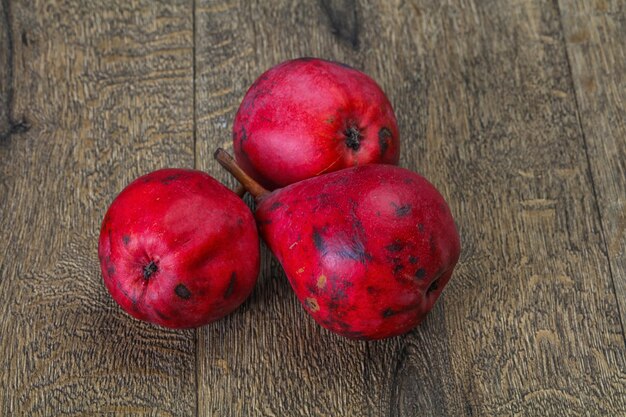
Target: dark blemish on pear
{"points": [[413, 259], [150, 270], [275, 205], [162, 315], [110, 270], [118, 284], [352, 308], [182, 291], [334, 304], [318, 241], [126, 239], [243, 136], [354, 250], [432, 243], [353, 137], [388, 312], [265, 119], [420, 273], [402, 211], [323, 200], [398, 268], [420, 227], [326, 323], [372, 290], [133, 299], [167, 180], [231, 285], [343, 324], [312, 289], [339, 294], [384, 137], [357, 226], [395, 246], [341, 180]]}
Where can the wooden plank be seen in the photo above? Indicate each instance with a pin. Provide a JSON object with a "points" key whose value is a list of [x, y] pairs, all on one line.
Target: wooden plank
{"points": [[8, 124], [531, 318], [487, 112], [595, 35], [106, 89], [268, 358]]}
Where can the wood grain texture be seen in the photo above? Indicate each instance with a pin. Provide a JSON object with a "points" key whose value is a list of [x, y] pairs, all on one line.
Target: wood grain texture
{"points": [[513, 109], [487, 112], [532, 316], [595, 35], [105, 88], [268, 358]]}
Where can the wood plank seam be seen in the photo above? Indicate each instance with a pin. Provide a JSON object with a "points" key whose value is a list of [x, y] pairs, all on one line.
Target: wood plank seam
{"points": [[12, 126], [596, 203]]}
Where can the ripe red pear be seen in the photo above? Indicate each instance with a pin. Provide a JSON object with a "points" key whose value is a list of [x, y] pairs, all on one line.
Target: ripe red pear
{"points": [[367, 250], [310, 116], [178, 249]]}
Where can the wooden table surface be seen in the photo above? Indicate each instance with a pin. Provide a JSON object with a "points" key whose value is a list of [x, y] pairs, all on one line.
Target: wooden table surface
{"points": [[514, 109]]}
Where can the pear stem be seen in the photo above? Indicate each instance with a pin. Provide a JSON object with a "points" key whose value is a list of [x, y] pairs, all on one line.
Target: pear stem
{"points": [[227, 161]]}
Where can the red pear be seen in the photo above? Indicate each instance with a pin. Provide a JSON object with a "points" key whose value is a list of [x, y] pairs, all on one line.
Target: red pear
{"points": [[310, 116], [367, 250], [178, 249]]}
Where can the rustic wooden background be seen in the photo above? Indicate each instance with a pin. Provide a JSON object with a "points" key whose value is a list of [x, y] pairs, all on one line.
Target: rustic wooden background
{"points": [[514, 109]]}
